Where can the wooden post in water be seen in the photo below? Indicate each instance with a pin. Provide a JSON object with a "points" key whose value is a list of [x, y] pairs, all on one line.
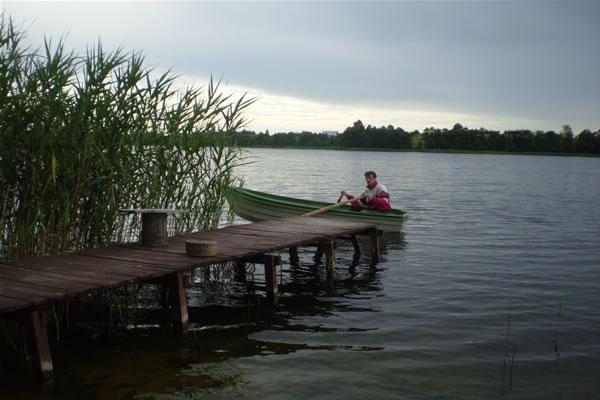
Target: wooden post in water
{"points": [[319, 252], [240, 270], [206, 273], [177, 304], [374, 242], [355, 243], [294, 259], [329, 250], [270, 262], [36, 327]]}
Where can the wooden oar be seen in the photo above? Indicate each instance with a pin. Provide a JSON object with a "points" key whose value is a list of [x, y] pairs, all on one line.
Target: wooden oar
{"points": [[329, 207]]}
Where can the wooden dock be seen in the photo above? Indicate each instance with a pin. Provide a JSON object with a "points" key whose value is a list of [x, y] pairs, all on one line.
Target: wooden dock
{"points": [[28, 288]]}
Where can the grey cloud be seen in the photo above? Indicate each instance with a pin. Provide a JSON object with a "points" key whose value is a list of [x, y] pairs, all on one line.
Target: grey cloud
{"points": [[533, 60]]}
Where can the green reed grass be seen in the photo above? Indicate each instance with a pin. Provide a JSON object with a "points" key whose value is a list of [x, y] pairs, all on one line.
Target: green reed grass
{"points": [[84, 135]]}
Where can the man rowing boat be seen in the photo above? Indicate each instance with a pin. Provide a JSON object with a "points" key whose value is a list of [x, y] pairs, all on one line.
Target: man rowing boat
{"points": [[375, 197]]}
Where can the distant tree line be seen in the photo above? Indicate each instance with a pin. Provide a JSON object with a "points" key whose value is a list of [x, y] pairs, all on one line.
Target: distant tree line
{"points": [[457, 138]]}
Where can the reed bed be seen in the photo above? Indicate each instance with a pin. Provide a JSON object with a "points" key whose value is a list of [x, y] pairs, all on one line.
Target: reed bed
{"points": [[82, 135]]}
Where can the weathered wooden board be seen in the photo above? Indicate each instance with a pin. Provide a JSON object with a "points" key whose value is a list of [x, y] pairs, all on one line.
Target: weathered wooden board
{"points": [[34, 282]]}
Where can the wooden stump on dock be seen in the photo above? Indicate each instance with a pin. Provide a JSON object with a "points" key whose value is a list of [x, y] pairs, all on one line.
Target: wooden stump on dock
{"points": [[154, 229]]}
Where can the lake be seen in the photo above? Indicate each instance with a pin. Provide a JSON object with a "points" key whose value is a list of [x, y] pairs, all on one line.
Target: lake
{"points": [[492, 290]]}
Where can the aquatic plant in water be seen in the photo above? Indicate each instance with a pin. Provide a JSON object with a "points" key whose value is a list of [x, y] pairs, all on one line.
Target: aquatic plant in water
{"points": [[555, 340], [84, 135], [510, 352]]}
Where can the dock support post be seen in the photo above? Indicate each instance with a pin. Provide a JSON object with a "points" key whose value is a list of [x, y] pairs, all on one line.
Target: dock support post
{"points": [[271, 262], [36, 325], [374, 242], [177, 302], [240, 271], [206, 273], [319, 252], [355, 243], [329, 250], [294, 259]]}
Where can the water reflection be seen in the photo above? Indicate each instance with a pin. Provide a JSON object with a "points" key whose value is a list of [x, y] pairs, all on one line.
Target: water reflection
{"points": [[435, 307], [230, 318]]}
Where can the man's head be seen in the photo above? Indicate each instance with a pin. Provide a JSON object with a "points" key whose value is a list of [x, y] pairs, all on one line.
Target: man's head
{"points": [[370, 176]]}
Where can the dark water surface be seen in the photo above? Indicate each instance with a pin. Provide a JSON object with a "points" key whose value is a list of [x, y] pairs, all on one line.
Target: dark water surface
{"points": [[492, 291]]}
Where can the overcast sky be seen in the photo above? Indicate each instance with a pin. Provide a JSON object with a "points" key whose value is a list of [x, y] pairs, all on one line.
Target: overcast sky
{"points": [[321, 66]]}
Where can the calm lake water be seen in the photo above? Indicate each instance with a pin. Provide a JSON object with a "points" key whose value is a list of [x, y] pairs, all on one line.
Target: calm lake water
{"points": [[491, 292]]}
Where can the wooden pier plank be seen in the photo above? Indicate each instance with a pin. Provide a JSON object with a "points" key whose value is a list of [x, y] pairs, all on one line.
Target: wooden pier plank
{"points": [[64, 273], [42, 278], [10, 303], [27, 286], [39, 280], [135, 253], [101, 273], [175, 260], [16, 291]]}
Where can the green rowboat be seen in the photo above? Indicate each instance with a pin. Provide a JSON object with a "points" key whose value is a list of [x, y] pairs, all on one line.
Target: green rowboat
{"points": [[259, 206]]}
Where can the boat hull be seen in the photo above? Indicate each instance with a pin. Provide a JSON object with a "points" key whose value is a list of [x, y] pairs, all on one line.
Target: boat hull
{"points": [[258, 206]]}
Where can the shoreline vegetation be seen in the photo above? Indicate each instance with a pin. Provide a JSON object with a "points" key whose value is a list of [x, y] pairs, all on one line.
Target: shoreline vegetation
{"points": [[83, 135], [433, 151], [459, 139], [74, 148]]}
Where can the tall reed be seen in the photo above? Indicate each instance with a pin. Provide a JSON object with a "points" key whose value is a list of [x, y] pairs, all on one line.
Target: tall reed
{"points": [[84, 135]]}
